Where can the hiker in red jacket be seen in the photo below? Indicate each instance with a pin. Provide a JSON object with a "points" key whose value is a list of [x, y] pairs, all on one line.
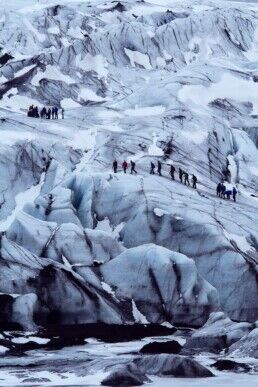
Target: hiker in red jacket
{"points": [[124, 166]]}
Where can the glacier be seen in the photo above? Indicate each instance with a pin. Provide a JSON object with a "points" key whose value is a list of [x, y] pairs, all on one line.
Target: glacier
{"points": [[81, 246]]}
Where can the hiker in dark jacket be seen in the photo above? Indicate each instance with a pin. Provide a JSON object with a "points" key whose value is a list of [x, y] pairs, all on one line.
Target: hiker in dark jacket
{"points": [[56, 112], [49, 114], [36, 112], [219, 189], [234, 193], [152, 168], [186, 181], [180, 172], [62, 112], [228, 194], [30, 111], [194, 180], [172, 171], [53, 113], [124, 166], [115, 166], [159, 167], [43, 112], [133, 167], [223, 191]]}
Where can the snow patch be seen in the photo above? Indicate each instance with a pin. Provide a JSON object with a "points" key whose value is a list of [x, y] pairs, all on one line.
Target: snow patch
{"points": [[3, 349], [145, 111], [24, 70], [108, 289], [89, 95], [228, 87], [159, 212], [241, 242], [53, 73], [154, 150], [93, 63], [138, 316], [69, 103], [53, 30], [232, 166], [137, 57]]}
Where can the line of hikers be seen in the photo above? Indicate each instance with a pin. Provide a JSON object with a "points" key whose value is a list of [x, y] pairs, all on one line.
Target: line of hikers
{"points": [[183, 175], [225, 192], [47, 113]]}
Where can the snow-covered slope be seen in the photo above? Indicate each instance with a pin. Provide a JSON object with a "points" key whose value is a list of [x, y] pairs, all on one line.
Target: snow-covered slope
{"points": [[139, 80]]}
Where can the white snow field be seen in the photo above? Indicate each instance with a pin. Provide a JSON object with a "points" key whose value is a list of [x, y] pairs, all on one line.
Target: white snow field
{"points": [[80, 246]]}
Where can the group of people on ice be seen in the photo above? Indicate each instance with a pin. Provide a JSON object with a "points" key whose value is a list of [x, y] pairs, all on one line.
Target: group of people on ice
{"points": [[183, 175], [125, 166], [45, 112], [224, 191]]}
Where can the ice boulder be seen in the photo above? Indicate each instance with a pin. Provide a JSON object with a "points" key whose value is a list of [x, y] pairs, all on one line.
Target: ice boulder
{"points": [[247, 346], [218, 333], [63, 297], [125, 375], [63, 243], [156, 347], [172, 365], [161, 285], [24, 307], [17, 310]]}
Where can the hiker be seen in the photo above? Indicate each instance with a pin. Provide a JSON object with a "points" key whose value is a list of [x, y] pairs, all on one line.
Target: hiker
{"points": [[53, 113], [172, 171], [43, 112], [62, 112], [115, 166], [36, 112], [186, 178], [223, 191], [159, 167], [56, 112], [234, 193], [124, 166], [219, 189], [49, 114], [30, 111], [152, 168], [180, 173], [194, 179], [133, 167], [228, 194]]}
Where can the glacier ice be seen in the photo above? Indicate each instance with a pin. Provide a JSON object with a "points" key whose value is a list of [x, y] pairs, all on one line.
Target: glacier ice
{"points": [[140, 81]]}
